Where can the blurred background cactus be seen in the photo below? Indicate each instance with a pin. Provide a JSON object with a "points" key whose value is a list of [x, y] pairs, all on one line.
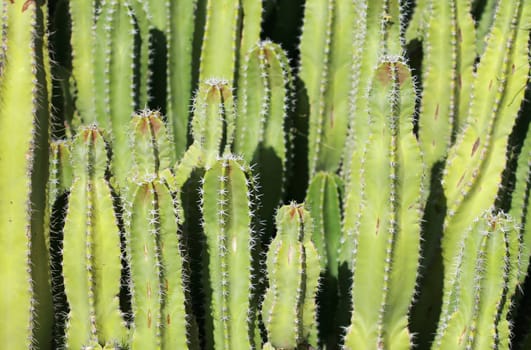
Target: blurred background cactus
{"points": [[265, 174]]}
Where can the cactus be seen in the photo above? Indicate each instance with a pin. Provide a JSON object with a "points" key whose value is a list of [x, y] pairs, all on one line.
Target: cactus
{"points": [[323, 201], [265, 89], [157, 279], [230, 241], [486, 263], [24, 113], [143, 230], [293, 267], [382, 232], [91, 249], [482, 143]]}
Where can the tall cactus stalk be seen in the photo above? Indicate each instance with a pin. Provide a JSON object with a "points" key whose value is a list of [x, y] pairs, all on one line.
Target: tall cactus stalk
{"points": [[382, 234], [289, 307], [91, 250], [230, 242], [224, 37], [157, 281], [265, 89], [24, 112]]}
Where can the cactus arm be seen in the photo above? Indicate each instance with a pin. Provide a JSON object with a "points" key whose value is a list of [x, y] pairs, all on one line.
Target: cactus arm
{"points": [[227, 220], [180, 36], [107, 267], [406, 246], [214, 119], [484, 24], [143, 79], [24, 114], [145, 270], [312, 271], [389, 219], [218, 52], [481, 146], [122, 95], [82, 14], [265, 87], [438, 110], [281, 307], [465, 60], [417, 24], [80, 327], [521, 204], [174, 314]]}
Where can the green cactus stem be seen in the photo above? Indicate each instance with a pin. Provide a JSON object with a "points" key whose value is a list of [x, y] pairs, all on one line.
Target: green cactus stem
{"points": [[157, 278], [265, 89], [481, 286], [213, 127], [449, 55], [521, 203], [223, 37], [381, 229], [24, 113], [230, 242], [91, 249], [83, 41], [180, 31], [293, 267], [475, 163]]}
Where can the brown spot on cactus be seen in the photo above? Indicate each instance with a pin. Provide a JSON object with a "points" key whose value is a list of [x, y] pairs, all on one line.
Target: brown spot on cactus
{"points": [[475, 147]]}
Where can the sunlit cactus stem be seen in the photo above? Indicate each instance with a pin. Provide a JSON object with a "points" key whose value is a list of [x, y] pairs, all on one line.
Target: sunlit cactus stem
{"points": [[26, 303], [265, 91], [230, 241], [481, 286], [289, 307], [381, 230], [91, 249], [157, 277]]}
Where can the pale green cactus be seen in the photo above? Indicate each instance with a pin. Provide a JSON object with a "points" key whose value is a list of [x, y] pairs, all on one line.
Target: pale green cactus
{"points": [[24, 113], [481, 286], [381, 230], [289, 307], [91, 249], [261, 136], [230, 241]]}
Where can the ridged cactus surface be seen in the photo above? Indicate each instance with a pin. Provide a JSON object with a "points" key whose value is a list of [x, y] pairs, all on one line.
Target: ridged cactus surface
{"points": [[265, 174]]}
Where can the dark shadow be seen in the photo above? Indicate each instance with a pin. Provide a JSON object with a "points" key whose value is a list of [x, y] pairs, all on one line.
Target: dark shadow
{"points": [[424, 314], [158, 67]]}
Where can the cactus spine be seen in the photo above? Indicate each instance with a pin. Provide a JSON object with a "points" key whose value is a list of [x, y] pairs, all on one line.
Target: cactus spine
{"points": [[91, 249], [385, 227], [230, 240], [293, 267]]}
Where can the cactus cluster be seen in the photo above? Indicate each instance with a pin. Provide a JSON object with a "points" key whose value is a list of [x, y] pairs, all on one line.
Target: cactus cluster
{"points": [[194, 174]]}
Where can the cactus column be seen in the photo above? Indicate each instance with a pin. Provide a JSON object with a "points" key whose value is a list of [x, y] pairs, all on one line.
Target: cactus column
{"points": [[26, 301]]}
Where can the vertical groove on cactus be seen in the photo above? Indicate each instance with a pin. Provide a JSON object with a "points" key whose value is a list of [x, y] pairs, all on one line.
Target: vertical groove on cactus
{"points": [[293, 267], [230, 239], [384, 231]]}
